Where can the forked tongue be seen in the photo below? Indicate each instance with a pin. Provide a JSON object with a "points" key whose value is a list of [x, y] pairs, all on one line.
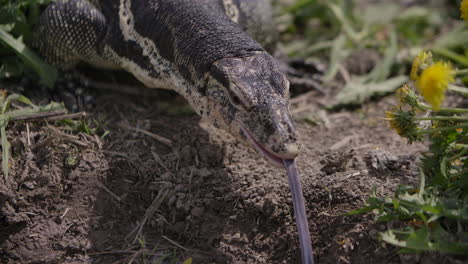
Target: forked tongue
{"points": [[299, 211]]}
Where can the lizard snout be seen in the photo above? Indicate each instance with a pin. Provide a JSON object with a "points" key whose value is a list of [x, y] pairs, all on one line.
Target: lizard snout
{"points": [[290, 150], [286, 149], [284, 143]]}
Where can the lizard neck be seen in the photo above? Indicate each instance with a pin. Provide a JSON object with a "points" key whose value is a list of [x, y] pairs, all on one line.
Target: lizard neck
{"points": [[192, 34], [173, 43]]}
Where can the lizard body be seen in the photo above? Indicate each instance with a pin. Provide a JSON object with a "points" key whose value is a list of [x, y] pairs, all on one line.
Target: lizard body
{"points": [[202, 49]]}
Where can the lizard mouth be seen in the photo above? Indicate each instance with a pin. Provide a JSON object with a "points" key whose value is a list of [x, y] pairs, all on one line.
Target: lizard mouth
{"points": [[272, 158]]}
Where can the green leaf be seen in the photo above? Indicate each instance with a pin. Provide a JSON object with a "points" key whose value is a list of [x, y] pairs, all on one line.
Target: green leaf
{"points": [[47, 73], [422, 184], [454, 38], [373, 14], [425, 238], [357, 91], [383, 69], [415, 24], [5, 149], [337, 55], [390, 237], [442, 51], [362, 210]]}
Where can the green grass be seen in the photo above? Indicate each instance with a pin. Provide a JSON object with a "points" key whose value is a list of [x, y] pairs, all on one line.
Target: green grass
{"points": [[17, 21], [434, 215], [333, 30], [12, 107]]}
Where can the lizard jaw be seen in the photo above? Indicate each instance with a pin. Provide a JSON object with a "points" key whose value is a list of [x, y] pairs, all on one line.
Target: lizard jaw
{"points": [[272, 158]]}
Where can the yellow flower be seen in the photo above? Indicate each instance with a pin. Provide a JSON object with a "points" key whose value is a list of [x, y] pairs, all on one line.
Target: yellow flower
{"points": [[394, 124], [457, 163], [421, 61], [434, 81], [406, 96], [403, 123], [402, 92], [464, 9]]}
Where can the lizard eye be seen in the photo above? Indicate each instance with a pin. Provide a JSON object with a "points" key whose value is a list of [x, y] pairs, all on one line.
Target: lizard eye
{"points": [[236, 98]]}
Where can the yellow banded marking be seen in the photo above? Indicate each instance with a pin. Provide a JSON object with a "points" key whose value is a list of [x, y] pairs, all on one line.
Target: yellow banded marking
{"points": [[231, 10]]}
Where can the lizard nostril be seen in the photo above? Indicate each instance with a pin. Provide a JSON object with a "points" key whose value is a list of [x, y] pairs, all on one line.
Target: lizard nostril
{"points": [[292, 149]]}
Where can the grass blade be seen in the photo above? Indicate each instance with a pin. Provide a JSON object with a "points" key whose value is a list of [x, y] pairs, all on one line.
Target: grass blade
{"points": [[47, 73], [5, 149], [338, 54]]}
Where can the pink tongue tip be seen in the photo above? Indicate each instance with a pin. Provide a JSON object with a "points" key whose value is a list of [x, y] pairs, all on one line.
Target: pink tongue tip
{"points": [[299, 211]]}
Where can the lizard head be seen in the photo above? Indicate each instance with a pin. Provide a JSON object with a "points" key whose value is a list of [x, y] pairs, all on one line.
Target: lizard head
{"points": [[249, 97]]}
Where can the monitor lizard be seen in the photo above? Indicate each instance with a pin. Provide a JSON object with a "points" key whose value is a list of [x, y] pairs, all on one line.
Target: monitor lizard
{"points": [[204, 50], [212, 52]]}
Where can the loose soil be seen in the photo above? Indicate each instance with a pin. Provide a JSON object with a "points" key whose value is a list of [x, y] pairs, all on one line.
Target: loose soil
{"points": [[129, 198]]}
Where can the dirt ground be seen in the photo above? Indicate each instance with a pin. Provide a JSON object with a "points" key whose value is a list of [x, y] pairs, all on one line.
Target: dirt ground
{"points": [[130, 198]]}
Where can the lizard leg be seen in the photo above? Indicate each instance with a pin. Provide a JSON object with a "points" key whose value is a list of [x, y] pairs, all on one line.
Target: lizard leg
{"points": [[69, 32]]}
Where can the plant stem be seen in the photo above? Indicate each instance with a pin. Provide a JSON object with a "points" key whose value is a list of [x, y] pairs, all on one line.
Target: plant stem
{"points": [[429, 131], [461, 173], [460, 154], [451, 55], [459, 89], [443, 118], [461, 72], [446, 110], [47, 73], [341, 17]]}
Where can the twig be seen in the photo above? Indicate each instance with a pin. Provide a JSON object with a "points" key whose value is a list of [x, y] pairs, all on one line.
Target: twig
{"points": [[94, 139], [158, 138], [27, 133], [42, 115], [175, 243], [64, 213], [345, 74], [68, 116], [102, 186], [158, 159], [68, 137], [114, 252], [115, 153], [353, 175], [345, 141], [136, 232], [344, 259], [52, 116]]}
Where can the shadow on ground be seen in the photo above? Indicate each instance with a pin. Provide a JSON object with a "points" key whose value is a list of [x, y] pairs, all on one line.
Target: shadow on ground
{"points": [[129, 197]]}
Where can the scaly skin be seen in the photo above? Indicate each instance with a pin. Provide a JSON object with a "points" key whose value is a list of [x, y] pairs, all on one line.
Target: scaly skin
{"points": [[199, 48]]}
